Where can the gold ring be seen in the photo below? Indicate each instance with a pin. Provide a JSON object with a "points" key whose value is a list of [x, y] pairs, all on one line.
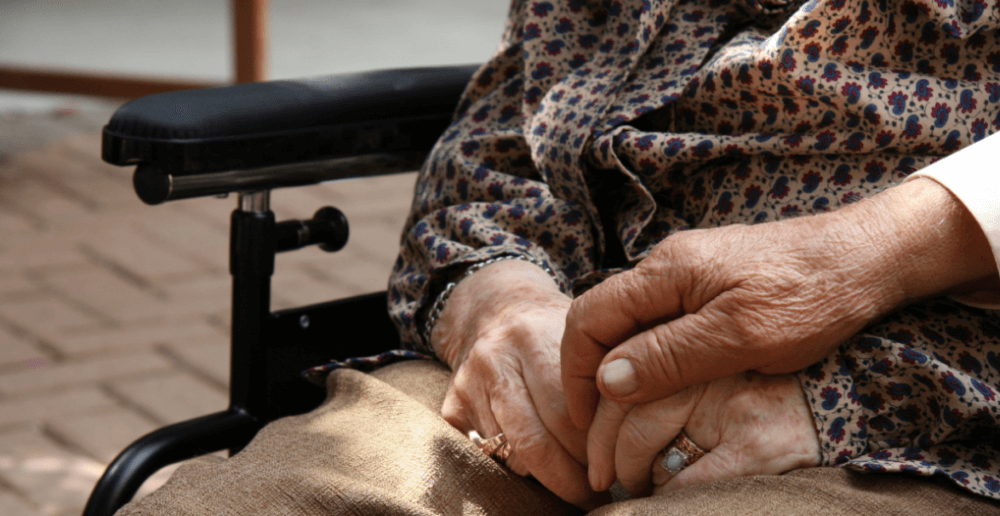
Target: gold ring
{"points": [[495, 447], [679, 454]]}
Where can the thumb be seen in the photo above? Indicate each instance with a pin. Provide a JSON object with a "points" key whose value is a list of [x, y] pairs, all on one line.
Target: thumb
{"points": [[656, 363], [601, 319]]}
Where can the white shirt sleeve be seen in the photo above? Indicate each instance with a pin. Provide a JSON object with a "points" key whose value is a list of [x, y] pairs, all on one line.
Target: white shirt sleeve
{"points": [[971, 175]]}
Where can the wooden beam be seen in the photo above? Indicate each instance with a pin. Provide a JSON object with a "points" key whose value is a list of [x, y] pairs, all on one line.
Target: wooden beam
{"points": [[251, 38], [114, 86]]}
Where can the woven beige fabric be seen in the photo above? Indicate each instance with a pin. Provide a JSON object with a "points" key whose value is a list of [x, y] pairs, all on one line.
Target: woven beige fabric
{"points": [[377, 446], [814, 492]]}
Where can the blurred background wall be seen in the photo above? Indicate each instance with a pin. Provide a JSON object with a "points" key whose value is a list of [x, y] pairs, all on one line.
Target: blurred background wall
{"points": [[191, 39]]}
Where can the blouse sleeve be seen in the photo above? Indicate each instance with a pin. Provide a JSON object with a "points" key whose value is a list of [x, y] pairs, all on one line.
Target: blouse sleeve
{"points": [[966, 174], [480, 195], [917, 392]]}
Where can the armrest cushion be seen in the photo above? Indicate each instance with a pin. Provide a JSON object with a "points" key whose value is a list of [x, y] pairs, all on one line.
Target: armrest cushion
{"points": [[277, 122]]}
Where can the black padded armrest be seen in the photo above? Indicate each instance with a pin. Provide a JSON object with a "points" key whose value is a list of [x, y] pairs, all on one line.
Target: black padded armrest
{"points": [[278, 122]]}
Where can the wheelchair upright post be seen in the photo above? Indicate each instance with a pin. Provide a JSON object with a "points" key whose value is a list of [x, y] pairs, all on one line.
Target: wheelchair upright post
{"points": [[251, 263]]}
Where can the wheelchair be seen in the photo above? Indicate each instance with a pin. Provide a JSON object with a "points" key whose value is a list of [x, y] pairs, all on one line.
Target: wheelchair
{"points": [[249, 139]]}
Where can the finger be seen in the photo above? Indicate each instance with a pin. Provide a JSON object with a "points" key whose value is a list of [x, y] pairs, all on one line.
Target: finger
{"points": [[598, 321], [545, 391], [467, 413], [536, 451], [601, 441], [580, 356], [691, 350], [647, 430], [547, 397]]}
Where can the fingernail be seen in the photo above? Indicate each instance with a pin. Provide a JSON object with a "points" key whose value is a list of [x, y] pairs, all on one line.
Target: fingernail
{"points": [[619, 377]]}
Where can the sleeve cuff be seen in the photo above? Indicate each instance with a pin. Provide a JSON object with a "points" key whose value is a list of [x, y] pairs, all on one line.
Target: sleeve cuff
{"points": [[967, 175]]}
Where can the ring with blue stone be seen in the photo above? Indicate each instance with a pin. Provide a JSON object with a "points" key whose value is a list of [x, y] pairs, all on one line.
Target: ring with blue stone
{"points": [[679, 454]]}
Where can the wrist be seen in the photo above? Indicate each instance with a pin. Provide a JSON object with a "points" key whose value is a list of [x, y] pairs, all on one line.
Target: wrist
{"points": [[489, 299], [923, 242]]}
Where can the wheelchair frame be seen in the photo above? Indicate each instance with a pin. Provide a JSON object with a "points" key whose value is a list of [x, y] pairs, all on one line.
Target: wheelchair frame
{"points": [[269, 350]]}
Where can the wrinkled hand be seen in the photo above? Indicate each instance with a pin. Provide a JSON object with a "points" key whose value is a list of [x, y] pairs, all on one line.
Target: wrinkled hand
{"points": [[750, 424], [500, 333], [772, 297], [710, 303]]}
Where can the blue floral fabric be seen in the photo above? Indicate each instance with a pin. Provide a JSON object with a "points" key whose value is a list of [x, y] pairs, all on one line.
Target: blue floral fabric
{"points": [[599, 128]]}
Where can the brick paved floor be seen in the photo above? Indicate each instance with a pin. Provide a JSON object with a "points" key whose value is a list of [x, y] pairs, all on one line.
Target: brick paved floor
{"points": [[114, 314]]}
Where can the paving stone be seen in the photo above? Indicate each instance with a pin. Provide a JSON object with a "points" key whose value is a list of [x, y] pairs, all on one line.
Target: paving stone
{"points": [[199, 296], [293, 203], [12, 505], [378, 239], [47, 316], [108, 293], [365, 273], [102, 434], [368, 196], [14, 222], [392, 186], [173, 397], [78, 172], [16, 286], [37, 198], [42, 251], [52, 477], [216, 211], [136, 336], [192, 236], [86, 147], [82, 372], [53, 405], [291, 288], [210, 358], [15, 351], [140, 255]]}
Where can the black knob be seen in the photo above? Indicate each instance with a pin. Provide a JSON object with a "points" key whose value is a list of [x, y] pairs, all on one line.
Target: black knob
{"points": [[327, 228], [329, 225]]}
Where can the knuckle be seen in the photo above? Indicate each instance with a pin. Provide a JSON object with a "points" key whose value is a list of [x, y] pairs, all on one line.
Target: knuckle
{"points": [[661, 356], [634, 438], [463, 380], [515, 464], [530, 445], [577, 307]]}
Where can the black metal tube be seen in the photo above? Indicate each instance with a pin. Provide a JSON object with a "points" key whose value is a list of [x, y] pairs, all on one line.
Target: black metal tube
{"points": [[251, 264], [155, 187], [168, 445]]}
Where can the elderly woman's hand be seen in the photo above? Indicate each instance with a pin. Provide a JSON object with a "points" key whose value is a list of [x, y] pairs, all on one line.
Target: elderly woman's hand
{"points": [[750, 424], [771, 297], [500, 333]]}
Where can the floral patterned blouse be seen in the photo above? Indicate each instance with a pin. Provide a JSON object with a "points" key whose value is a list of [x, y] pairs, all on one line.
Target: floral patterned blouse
{"points": [[600, 128]]}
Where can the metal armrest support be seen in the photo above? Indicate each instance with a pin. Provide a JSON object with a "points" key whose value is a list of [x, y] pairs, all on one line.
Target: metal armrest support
{"points": [[154, 186]]}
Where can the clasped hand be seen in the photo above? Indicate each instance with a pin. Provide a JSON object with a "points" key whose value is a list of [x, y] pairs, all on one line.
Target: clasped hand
{"points": [[589, 391], [674, 338], [667, 346], [503, 328]]}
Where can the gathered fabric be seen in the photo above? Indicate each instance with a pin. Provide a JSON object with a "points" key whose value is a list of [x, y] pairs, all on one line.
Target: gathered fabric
{"points": [[601, 127]]}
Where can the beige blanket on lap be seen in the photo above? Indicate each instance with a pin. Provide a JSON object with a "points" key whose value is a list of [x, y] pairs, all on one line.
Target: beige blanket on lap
{"points": [[378, 446]]}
